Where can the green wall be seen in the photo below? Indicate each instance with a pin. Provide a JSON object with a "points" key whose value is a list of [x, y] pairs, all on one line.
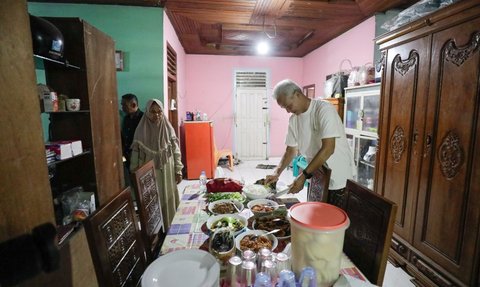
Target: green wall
{"points": [[138, 31]]}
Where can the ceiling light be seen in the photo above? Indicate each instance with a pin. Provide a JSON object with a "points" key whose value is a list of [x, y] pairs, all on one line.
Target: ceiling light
{"points": [[263, 48]]}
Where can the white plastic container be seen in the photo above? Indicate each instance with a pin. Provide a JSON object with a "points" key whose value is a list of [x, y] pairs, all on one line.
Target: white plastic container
{"points": [[318, 231]]}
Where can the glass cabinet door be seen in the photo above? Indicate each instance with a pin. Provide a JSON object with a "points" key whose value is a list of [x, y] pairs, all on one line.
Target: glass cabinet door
{"points": [[367, 148], [371, 109], [353, 115]]}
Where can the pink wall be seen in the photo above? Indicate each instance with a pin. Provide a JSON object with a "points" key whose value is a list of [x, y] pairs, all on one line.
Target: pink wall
{"points": [[206, 82], [210, 89], [357, 45], [170, 36]]}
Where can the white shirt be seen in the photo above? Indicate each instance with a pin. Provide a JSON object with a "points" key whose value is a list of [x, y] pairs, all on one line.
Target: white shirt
{"points": [[306, 132]]}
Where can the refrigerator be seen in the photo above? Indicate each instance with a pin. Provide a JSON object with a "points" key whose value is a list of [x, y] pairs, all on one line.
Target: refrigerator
{"points": [[199, 148]]}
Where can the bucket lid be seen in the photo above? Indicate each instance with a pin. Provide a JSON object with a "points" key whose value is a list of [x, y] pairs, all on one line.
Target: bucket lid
{"points": [[319, 215]]}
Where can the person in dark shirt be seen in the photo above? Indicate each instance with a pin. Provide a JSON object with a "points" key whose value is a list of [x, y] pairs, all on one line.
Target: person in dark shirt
{"points": [[130, 122]]}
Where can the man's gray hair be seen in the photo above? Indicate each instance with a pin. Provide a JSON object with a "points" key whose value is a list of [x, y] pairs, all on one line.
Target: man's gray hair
{"points": [[285, 88]]}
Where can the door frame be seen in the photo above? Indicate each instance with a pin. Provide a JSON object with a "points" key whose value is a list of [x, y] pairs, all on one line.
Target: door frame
{"points": [[172, 94], [234, 120]]}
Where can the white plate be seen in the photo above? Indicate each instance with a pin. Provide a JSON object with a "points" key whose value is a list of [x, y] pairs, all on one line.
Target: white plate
{"points": [[238, 204], [169, 270], [255, 232]]}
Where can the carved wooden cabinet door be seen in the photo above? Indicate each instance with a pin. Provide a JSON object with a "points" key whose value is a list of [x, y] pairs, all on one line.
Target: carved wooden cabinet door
{"points": [[402, 118], [449, 196]]}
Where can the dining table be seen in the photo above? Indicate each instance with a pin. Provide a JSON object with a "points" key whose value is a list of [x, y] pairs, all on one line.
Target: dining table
{"points": [[188, 229]]}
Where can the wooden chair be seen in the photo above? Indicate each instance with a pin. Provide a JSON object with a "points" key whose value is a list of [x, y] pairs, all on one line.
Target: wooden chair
{"points": [[149, 209], [368, 238], [115, 243], [223, 153]]}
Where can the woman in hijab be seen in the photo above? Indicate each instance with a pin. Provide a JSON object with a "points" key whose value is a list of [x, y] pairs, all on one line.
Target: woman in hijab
{"points": [[155, 139]]}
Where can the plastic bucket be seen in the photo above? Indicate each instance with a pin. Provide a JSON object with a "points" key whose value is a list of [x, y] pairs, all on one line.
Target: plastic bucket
{"points": [[318, 231]]}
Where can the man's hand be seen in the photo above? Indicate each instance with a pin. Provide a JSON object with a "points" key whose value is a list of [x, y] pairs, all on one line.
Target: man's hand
{"points": [[297, 184], [178, 178], [272, 177]]}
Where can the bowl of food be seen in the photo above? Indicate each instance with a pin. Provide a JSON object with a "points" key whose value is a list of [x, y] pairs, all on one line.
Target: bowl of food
{"points": [[234, 222], [225, 206], [269, 223], [255, 240], [262, 207], [256, 191], [222, 244]]}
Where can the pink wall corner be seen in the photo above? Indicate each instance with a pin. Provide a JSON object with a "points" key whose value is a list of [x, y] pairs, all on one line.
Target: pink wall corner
{"points": [[170, 36], [357, 45], [210, 89]]}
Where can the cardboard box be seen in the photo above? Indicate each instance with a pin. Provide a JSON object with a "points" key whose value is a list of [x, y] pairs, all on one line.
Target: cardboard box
{"points": [[76, 147], [62, 149]]}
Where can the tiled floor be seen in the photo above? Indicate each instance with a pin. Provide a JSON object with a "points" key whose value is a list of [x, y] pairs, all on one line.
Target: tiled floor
{"points": [[247, 171]]}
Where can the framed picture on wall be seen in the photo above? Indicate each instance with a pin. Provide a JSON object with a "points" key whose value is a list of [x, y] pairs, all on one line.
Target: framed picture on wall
{"points": [[119, 60]]}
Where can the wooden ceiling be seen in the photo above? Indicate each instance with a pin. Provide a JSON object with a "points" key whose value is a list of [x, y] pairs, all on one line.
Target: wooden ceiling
{"points": [[292, 28]]}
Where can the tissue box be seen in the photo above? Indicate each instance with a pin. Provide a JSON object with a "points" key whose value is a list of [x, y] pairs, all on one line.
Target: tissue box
{"points": [[76, 147], [63, 150]]}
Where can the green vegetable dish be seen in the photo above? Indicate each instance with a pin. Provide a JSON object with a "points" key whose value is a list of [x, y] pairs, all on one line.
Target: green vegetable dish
{"points": [[229, 222], [211, 197]]}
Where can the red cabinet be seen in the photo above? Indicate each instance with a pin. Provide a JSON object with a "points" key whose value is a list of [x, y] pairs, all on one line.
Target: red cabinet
{"points": [[199, 149]]}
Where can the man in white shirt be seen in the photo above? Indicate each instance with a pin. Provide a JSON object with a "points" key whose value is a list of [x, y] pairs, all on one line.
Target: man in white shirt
{"points": [[317, 132]]}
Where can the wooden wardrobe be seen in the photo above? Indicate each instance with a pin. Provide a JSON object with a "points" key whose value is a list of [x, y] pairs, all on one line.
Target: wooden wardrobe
{"points": [[26, 192], [429, 151]]}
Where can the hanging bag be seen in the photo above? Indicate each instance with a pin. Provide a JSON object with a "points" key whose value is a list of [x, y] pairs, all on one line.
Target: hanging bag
{"points": [[335, 85]]}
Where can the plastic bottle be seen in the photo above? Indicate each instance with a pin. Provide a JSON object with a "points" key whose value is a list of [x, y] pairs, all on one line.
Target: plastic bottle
{"points": [[308, 277], [262, 280], [203, 181], [287, 279]]}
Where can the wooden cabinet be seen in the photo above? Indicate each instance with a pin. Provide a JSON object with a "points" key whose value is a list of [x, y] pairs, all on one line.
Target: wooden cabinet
{"points": [[25, 190], [97, 124], [199, 149], [338, 104], [429, 153]]}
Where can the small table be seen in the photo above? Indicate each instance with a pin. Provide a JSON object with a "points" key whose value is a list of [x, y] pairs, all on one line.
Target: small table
{"points": [[186, 230]]}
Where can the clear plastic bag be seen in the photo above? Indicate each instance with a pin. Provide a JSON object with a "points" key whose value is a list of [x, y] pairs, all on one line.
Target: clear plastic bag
{"points": [[75, 208], [414, 12]]}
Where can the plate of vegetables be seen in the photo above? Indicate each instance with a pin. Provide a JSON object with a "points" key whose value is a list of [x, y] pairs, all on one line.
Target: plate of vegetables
{"points": [[235, 222]]}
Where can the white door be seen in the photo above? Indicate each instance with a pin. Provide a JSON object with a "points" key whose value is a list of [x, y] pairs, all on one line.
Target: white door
{"points": [[251, 123]]}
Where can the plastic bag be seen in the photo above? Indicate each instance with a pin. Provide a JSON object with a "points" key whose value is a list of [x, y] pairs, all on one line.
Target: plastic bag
{"points": [[414, 12], [335, 85]]}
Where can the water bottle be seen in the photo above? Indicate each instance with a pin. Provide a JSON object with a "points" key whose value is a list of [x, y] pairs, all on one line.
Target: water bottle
{"points": [[203, 181], [308, 277], [287, 279], [262, 280]]}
